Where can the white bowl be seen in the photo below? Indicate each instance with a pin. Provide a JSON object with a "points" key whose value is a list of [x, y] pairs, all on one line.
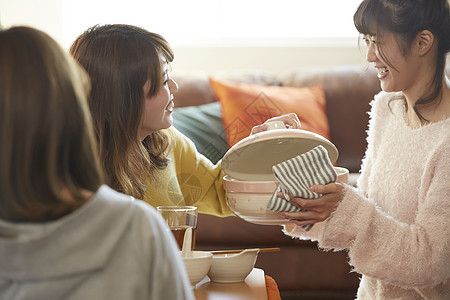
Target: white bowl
{"points": [[230, 268], [248, 199], [197, 265]]}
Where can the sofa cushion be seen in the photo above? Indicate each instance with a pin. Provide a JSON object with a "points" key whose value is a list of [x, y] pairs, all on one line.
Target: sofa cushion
{"points": [[203, 125], [248, 105]]}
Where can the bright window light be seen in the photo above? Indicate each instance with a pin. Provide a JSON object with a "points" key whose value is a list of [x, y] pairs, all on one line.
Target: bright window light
{"points": [[215, 22]]}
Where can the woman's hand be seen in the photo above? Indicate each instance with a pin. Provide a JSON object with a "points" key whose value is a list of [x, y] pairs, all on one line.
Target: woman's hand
{"points": [[290, 121], [315, 210]]}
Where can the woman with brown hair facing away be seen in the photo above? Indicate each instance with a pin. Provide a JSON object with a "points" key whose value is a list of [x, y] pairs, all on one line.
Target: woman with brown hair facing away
{"points": [[131, 104], [63, 233]]}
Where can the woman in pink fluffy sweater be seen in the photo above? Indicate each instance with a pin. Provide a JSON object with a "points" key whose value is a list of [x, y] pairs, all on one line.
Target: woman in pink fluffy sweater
{"points": [[396, 224]]}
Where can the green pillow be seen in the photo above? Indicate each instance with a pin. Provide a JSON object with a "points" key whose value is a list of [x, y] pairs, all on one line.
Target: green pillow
{"points": [[203, 125]]}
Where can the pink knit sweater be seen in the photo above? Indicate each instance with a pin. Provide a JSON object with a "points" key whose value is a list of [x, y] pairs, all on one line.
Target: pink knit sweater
{"points": [[396, 224]]}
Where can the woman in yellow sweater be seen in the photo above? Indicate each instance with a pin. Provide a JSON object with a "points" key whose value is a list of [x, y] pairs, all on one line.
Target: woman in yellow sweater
{"points": [[131, 103]]}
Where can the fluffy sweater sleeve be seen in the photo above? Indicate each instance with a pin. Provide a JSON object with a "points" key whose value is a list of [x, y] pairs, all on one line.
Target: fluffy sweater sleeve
{"points": [[401, 253]]}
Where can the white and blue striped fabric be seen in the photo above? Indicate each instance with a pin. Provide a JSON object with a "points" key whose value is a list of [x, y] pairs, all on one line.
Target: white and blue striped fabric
{"points": [[297, 174]]}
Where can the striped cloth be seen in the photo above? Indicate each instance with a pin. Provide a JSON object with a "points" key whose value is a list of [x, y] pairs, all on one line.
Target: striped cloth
{"points": [[297, 174]]}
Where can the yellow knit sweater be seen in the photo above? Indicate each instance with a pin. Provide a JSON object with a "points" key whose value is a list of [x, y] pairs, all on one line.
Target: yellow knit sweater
{"points": [[189, 179]]}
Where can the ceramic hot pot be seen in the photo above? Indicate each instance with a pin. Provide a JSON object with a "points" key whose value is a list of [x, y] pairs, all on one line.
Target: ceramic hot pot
{"points": [[249, 181]]}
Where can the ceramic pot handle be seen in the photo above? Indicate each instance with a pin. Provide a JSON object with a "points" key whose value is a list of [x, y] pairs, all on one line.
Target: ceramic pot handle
{"points": [[275, 125]]}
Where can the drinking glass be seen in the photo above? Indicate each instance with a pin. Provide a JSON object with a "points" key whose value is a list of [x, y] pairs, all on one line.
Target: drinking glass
{"points": [[180, 218]]}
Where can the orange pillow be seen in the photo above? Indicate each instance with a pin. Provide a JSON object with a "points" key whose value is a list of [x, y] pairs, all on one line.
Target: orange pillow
{"points": [[248, 105]]}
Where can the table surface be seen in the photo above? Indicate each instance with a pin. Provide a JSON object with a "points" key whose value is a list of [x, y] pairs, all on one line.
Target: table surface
{"points": [[252, 288]]}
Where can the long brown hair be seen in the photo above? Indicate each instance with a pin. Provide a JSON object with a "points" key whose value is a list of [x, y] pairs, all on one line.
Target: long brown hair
{"points": [[120, 59], [406, 19], [46, 135]]}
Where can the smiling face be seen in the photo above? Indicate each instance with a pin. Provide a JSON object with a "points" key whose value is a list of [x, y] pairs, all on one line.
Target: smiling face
{"points": [[396, 71], [157, 113]]}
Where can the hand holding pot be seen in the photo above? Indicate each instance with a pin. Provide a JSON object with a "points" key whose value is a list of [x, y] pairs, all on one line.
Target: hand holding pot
{"points": [[290, 121]]}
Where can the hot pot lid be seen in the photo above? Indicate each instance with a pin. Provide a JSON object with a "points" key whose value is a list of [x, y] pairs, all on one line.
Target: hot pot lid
{"points": [[252, 158]]}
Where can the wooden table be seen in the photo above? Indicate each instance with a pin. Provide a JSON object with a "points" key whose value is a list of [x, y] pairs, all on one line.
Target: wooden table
{"points": [[253, 288]]}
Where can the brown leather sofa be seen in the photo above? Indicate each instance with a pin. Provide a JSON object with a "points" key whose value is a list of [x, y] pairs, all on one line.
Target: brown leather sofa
{"points": [[301, 270]]}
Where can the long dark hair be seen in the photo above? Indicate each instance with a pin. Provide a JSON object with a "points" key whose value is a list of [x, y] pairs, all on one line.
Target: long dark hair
{"points": [[406, 18], [46, 134], [120, 59]]}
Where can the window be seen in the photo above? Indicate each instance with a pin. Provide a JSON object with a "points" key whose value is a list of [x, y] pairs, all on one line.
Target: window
{"points": [[216, 22]]}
